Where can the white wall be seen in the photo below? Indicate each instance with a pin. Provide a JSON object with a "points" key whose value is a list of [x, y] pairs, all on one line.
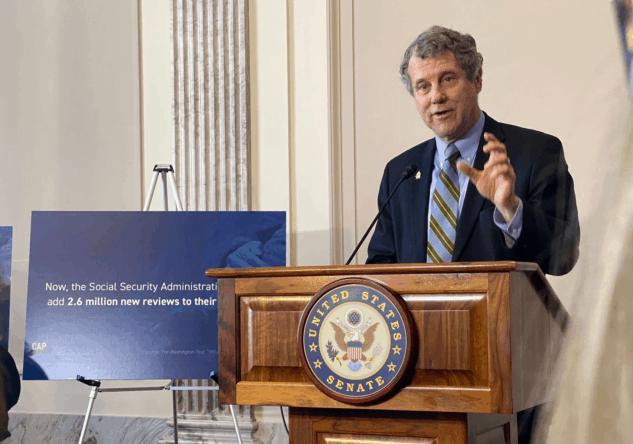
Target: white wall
{"points": [[270, 118], [289, 115], [551, 66], [70, 140], [156, 93], [76, 61], [539, 72]]}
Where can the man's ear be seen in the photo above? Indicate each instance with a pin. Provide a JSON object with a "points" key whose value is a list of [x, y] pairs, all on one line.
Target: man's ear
{"points": [[479, 81]]}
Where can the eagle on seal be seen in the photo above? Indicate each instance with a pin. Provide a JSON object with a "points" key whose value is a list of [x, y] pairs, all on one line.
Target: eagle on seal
{"points": [[355, 346]]}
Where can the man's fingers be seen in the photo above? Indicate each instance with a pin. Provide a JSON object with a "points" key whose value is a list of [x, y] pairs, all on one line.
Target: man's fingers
{"points": [[497, 159], [500, 169], [493, 147], [472, 173], [497, 151]]}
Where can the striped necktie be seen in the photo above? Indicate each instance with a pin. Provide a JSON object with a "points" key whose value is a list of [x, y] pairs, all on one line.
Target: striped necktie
{"points": [[444, 206]]}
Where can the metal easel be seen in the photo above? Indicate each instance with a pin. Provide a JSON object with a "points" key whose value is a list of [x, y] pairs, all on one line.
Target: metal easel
{"points": [[164, 171]]}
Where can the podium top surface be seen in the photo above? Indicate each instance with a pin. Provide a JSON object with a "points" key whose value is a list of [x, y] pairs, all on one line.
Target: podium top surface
{"points": [[334, 270]]}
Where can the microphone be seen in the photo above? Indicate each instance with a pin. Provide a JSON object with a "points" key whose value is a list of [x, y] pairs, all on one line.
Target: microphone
{"points": [[407, 173]]}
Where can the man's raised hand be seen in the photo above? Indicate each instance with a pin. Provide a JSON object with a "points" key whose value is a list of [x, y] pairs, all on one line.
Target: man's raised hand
{"points": [[496, 181]]}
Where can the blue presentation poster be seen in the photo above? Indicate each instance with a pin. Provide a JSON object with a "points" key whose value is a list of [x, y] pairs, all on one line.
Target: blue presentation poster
{"points": [[123, 295], [6, 246]]}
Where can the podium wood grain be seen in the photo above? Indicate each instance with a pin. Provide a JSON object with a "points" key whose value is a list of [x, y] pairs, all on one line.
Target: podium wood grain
{"points": [[338, 427], [488, 334]]}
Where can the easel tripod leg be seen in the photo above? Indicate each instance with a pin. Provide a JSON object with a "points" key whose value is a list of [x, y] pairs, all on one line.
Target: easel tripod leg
{"points": [[150, 194], [164, 171], [174, 191], [163, 175], [93, 395], [237, 429], [174, 400]]}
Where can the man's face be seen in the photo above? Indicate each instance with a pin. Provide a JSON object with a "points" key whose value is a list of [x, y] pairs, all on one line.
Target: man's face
{"points": [[445, 98]]}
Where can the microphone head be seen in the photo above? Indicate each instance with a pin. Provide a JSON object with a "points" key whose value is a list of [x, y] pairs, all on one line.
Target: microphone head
{"points": [[409, 171]]}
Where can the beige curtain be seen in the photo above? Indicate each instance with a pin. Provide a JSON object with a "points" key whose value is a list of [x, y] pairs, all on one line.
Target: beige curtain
{"points": [[595, 377]]}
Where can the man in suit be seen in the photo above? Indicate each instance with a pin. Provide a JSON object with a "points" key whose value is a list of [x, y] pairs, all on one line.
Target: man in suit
{"points": [[485, 191]]}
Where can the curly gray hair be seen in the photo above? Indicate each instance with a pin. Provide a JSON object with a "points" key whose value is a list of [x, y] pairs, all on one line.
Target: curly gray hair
{"points": [[437, 40]]}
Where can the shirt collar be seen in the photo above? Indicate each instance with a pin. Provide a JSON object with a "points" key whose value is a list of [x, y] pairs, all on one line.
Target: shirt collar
{"points": [[467, 145]]}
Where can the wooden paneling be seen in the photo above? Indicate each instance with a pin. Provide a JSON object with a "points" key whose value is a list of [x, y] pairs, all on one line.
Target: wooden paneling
{"points": [[300, 423], [434, 283], [538, 321], [479, 341], [228, 340], [431, 399], [470, 360], [261, 351], [269, 325], [444, 301], [445, 339], [419, 284], [448, 354], [444, 326], [336, 427], [331, 438], [448, 378], [269, 329], [499, 357], [492, 429], [283, 286], [366, 270]]}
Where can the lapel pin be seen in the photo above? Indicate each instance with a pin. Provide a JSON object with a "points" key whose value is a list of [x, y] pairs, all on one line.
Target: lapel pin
{"points": [[418, 175]]}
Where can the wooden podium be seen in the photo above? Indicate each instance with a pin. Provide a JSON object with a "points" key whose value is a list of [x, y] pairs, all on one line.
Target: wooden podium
{"points": [[487, 337]]}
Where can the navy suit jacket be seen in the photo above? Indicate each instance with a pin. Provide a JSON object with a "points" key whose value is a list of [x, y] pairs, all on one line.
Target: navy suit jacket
{"points": [[550, 233]]}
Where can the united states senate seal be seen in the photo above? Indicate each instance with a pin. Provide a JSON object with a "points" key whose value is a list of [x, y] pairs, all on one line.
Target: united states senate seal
{"points": [[356, 340]]}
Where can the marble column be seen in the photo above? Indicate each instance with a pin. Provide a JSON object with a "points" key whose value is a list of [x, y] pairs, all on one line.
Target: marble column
{"points": [[211, 103], [202, 419], [211, 143]]}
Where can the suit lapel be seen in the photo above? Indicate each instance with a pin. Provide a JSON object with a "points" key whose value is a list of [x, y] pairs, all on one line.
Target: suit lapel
{"points": [[474, 201], [422, 199]]}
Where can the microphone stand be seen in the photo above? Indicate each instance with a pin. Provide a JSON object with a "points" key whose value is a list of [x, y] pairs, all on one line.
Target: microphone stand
{"points": [[408, 172]]}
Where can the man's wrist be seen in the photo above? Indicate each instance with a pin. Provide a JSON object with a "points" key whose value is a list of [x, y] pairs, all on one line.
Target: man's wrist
{"points": [[508, 210]]}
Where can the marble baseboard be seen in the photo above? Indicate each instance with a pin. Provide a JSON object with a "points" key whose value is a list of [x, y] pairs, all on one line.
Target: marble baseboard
{"points": [[271, 427], [271, 433], [39, 428], [194, 429]]}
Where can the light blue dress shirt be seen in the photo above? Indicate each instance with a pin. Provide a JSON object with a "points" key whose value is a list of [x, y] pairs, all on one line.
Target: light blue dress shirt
{"points": [[467, 147]]}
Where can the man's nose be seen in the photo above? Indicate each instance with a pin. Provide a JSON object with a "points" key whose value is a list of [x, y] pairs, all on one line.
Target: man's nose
{"points": [[438, 95]]}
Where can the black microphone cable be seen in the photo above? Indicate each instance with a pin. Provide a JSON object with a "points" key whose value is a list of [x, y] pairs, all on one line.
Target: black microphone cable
{"points": [[408, 172]]}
